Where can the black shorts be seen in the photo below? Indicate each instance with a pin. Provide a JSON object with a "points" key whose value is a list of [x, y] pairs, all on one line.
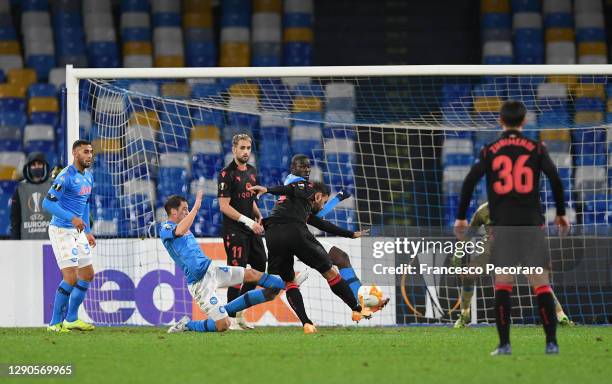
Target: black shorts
{"points": [[286, 240], [524, 246], [245, 248]]}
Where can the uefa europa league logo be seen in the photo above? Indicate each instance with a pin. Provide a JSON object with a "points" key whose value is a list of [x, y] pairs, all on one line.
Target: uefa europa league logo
{"points": [[34, 202]]}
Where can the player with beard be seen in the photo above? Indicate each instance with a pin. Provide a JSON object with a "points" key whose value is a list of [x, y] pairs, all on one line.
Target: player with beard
{"points": [[287, 235], [68, 201], [242, 227]]}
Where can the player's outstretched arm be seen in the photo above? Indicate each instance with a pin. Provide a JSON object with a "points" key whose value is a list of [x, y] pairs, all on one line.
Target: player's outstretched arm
{"points": [[476, 173], [328, 227], [183, 226]]}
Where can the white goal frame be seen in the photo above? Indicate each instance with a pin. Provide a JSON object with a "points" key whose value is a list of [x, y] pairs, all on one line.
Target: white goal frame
{"points": [[73, 75]]}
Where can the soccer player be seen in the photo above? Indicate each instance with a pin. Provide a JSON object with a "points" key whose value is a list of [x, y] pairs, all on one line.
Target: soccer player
{"points": [[300, 171], [242, 227], [287, 235], [481, 219], [203, 279], [513, 164], [71, 238]]}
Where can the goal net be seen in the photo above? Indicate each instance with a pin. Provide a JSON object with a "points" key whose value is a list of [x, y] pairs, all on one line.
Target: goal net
{"points": [[400, 140]]}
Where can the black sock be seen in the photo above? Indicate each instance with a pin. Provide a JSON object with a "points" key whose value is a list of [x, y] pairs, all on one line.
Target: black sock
{"points": [[294, 297], [340, 288], [232, 293], [503, 307], [548, 314], [246, 287]]}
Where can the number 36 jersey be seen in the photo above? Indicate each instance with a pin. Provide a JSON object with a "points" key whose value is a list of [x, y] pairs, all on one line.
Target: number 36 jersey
{"points": [[512, 165]]}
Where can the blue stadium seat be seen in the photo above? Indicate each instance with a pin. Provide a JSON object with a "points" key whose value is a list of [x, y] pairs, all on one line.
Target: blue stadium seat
{"points": [[34, 5], [297, 54], [553, 119], [452, 92], [305, 146], [265, 61], [589, 135], [594, 210], [528, 35], [497, 60], [201, 54], [202, 91], [12, 118], [134, 6], [205, 165], [308, 90], [136, 34], [243, 121], [588, 104], [490, 90], [166, 19], [42, 90], [272, 176], [525, 6], [66, 20], [274, 94], [209, 219], [7, 33], [590, 34], [558, 20], [103, 54], [42, 64], [201, 116], [496, 20], [297, 20]]}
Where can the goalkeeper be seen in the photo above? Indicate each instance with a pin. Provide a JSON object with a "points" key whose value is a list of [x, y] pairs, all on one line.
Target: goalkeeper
{"points": [[481, 222]]}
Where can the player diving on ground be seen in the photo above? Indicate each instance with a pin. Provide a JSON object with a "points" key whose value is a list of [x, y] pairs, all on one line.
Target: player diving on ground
{"points": [[203, 278]]}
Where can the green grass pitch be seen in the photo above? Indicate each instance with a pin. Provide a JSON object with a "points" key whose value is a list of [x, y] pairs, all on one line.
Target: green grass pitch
{"points": [[334, 355]]}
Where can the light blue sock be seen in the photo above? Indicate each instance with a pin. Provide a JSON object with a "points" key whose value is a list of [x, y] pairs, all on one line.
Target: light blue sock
{"points": [[245, 301], [202, 326], [76, 298], [271, 281], [349, 275], [62, 295]]}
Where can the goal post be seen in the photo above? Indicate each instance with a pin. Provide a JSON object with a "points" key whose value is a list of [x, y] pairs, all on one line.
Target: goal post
{"points": [[399, 139]]}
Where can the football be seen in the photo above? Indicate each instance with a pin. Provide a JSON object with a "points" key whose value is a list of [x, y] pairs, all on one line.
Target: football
{"points": [[370, 295]]}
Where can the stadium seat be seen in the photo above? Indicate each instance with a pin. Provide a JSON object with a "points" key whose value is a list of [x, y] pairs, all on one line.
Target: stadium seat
{"points": [[561, 52], [10, 138], [526, 6], [11, 163], [10, 61], [457, 152]]}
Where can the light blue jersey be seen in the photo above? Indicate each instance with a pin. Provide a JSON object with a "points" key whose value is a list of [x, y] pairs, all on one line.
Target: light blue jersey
{"points": [[185, 251], [70, 196]]}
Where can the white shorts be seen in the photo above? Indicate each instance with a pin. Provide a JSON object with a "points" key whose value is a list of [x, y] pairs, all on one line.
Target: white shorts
{"points": [[204, 291], [70, 247]]}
